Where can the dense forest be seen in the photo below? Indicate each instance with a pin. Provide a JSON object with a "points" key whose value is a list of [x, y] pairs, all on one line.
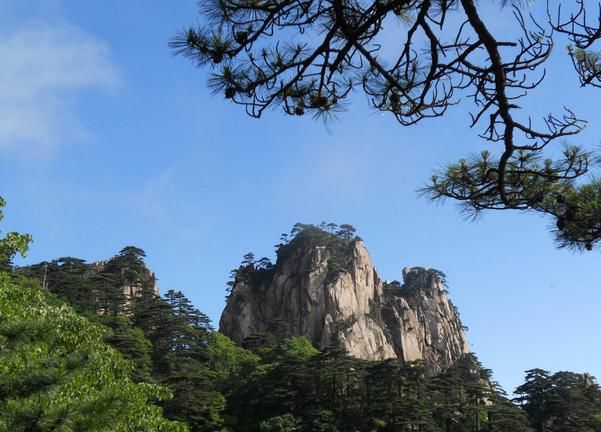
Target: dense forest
{"points": [[93, 346]]}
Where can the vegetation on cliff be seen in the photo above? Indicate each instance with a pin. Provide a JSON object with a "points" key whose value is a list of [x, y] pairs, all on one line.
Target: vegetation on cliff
{"points": [[277, 384], [58, 371], [281, 383], [336, 239]]}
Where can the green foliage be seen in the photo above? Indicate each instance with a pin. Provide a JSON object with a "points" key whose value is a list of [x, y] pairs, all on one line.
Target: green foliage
{"points": [[132, 344], [298, 347], [50, 357], [341, 47], [529, 180], [196, 400], [168, 341], [227, 360], [256, 272], [577, 210], [338, 241], [95, 288], [181, 336], [57, 374], [562, 402], [587, 63], [503, 415], [294, 386], [11, 244], [285, 423]]}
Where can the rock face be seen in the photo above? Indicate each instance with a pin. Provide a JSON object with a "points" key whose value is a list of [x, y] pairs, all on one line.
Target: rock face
{"points": [[130, 290], [305, 294]]}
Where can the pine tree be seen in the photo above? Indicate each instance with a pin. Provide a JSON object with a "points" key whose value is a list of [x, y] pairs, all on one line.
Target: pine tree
{"points": [[535, 396], [338, 49], [132, 344]]}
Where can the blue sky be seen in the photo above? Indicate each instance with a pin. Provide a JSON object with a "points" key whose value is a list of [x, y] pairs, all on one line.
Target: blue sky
{"points": [[108, 140]]}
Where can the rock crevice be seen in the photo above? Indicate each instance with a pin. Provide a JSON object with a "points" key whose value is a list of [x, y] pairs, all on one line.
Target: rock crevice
{"points": [[373, 320]]}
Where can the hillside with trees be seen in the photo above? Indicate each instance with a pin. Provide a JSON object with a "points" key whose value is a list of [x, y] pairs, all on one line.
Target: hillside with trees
{"points": [[155, 363], [107, 140]]}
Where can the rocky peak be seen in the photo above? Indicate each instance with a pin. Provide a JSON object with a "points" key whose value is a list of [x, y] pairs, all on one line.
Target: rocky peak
{"points": [[424, 323], [324, 287], [136, 286]]}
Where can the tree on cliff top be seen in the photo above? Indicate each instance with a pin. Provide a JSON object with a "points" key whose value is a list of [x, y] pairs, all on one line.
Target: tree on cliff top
{"points": [[307, 56]]}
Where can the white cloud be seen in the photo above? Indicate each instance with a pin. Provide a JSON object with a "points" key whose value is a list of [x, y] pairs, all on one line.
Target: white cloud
{"points": [[42, 66]]}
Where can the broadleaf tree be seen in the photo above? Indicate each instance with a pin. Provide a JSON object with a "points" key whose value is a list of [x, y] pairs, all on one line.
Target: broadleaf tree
{"points": [[11, 243], [56, 374]]}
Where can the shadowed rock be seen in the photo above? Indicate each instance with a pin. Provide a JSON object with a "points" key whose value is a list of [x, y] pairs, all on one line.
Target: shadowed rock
{"points": [[305, 294]]}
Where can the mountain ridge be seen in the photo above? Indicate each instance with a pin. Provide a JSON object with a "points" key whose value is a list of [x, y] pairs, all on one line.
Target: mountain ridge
{"points": [[324, 287]]}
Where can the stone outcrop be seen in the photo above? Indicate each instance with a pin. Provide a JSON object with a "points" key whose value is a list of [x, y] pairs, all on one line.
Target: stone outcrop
{"points": [[133, 289], [305, 294]]}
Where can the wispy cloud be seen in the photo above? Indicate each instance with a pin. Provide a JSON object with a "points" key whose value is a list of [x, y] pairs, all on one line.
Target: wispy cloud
{"points": [[43, 66]]}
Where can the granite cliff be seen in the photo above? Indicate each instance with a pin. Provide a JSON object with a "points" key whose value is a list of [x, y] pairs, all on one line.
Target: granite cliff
{"points": [[324, 287]]}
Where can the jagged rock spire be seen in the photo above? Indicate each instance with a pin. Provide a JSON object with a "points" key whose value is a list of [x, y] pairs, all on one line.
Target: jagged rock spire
{"points": [[308, 293]]}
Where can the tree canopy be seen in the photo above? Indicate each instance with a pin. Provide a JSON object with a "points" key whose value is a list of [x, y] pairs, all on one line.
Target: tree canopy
{"points": [[12, 243], [561, 402], [58, 368], [307, 56], [57, 374]]}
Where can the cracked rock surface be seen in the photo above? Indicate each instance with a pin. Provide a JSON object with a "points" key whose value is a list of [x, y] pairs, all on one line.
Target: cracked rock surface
{"points": [[372, 319]]}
